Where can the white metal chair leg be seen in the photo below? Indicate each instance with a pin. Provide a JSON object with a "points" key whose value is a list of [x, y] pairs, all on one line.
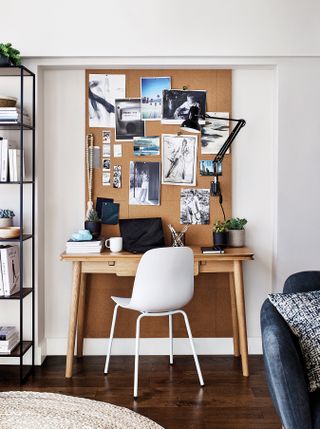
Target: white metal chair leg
{"points": [[136, 359], [113, 324], [196, 361], [170, 339]]}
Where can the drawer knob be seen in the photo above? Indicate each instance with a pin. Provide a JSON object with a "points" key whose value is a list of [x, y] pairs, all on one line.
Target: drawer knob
{"points": [[111, 263]]}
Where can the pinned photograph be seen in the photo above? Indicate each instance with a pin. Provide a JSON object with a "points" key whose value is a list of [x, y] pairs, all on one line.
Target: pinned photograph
{"points": [[128, 119], [206, 167], [146, 146], [179, 157], [106, 137], [214, 133], [103, 91], [151, 96], [117, 150], [144, 183], [106, 149], [176, 104], [116, 176], [195, 206], [106, 177], [106, 164]]}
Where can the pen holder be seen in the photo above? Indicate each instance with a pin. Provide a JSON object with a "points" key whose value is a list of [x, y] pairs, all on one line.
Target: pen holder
{"points": [[178, 239]]}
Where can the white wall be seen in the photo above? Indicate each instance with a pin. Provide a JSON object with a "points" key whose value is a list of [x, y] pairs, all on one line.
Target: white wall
{"points": [[177, 28], [64, 196]]}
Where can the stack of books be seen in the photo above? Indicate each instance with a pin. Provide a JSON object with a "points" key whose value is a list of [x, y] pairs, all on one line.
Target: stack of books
{"points": [[93, 246], [9, 270], [10, 162], [12, 116], [9, 339]]}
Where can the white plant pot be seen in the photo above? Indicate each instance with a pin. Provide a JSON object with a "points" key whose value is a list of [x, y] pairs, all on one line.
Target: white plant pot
{"points": [[5, 222], [236, 238]]}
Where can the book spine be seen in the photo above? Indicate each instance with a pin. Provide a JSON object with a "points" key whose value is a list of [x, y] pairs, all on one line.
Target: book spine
{"points": [[14, 165], [5, 272], [10, 166], [4, 161], [1, 286]]}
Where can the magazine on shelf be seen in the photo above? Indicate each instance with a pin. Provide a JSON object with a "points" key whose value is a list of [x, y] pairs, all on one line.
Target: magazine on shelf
{"points": [[10, 264], [7, 332], [7, 345]]}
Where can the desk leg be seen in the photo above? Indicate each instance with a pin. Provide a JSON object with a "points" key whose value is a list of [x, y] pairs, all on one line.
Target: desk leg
{"points": [[73, 317], [239, 293], [235, 328], [81, 315]]}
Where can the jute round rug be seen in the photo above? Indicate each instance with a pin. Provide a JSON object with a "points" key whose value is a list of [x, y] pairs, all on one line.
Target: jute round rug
{"points": [[52, 411]]}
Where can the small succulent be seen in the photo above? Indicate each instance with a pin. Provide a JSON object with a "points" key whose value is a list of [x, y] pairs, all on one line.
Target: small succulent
{"points": [[12, 54], [220, 226], [236, 223], [93, 216], [6, 214]]}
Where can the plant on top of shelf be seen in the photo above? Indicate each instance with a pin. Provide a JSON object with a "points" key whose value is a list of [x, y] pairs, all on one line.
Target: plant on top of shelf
{"points": [[9, 55], [236, 229], [219, 226], [6, 217]]}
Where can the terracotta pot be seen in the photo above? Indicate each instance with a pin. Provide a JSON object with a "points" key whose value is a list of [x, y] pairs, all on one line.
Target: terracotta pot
{"points": [[220, 239], [94, 227], [5, 222], [236, 237]]}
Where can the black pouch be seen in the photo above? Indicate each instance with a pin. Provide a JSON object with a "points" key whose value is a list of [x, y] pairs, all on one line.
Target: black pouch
{"points": [[141, 235]]}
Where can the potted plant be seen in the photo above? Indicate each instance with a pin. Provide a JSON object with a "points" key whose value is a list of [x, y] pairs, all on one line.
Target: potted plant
{"points": [[220, 233], [9, 55], [236, 230], [6, 217], [93, 223]]}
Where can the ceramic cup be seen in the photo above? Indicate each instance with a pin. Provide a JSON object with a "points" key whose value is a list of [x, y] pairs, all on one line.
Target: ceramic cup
{"points": [[114, 244]]}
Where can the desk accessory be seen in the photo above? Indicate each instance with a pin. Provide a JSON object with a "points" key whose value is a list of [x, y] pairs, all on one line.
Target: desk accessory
{"points": [[82, 235], [220, 234], [178, 238], [212, 250], [114, 244], [236, 231], [93, 223], [110, 213], [140, 235]]}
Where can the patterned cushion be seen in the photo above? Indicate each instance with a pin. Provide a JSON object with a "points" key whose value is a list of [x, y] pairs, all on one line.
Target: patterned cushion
{"points": [[302, 313]]}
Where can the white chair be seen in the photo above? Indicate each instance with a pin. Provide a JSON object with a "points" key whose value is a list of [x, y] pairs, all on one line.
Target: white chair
{"points": [[163, 284]]}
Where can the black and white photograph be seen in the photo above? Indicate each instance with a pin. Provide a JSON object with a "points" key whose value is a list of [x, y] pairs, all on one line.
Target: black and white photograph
{"points": [[214, 133], [106, 177], [106, 150], [195, 206], [106, 137], [206, 167], [116, 182], [104, 89], [179, 158], [146, 146], [106, 164], [128, 119], [117, 150], [176, 104], [151, 96], [144, 183]]}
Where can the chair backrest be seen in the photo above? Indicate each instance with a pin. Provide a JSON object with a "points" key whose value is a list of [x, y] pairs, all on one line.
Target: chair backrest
{"points": [[164, 280], [303, 281]]}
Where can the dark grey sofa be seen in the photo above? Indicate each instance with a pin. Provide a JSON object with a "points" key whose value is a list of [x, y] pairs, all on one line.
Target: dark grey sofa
{"points": [[296, 407]]}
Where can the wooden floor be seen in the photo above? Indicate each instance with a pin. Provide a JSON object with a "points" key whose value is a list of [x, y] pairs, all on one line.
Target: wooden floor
{"points": [[169, 395]]}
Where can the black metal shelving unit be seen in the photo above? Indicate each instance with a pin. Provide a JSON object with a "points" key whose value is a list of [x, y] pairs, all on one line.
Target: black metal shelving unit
{"points": [[22, 73]]}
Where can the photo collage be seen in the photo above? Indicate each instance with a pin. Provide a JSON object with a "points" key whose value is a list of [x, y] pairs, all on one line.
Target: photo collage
{"points": [[110, 108]]}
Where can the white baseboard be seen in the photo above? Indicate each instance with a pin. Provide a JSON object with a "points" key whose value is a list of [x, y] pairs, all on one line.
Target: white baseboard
{"points": [[153, 346]]}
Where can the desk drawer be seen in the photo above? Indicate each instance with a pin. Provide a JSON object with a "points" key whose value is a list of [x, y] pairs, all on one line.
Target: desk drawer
{"points": [[216, 266], [120, 268]]}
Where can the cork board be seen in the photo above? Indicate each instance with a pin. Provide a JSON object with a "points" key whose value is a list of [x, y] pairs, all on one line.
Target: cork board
{"points": [[209, 311]]}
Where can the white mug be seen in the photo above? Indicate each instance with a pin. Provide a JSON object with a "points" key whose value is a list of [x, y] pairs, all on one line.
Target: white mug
{"points": [[114, 244]]}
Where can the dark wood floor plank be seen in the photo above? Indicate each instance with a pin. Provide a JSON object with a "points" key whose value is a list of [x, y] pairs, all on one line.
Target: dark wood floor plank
{"points": [[170, 395]]}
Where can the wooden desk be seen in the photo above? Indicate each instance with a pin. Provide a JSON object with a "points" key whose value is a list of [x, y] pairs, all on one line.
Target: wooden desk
{"points": [[125, 264]]}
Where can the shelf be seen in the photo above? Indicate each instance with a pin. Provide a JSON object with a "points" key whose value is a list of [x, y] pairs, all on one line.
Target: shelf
{"points": [[25, 182], [16, 296], [16, 352], [15, 71], [15, 127], [25, 237]]}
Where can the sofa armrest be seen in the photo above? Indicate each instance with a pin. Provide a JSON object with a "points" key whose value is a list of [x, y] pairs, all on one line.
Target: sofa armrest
{"points": [[284, 370]]}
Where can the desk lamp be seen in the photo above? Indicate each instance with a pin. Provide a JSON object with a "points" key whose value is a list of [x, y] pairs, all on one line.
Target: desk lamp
{"points": [[191, 124]]}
